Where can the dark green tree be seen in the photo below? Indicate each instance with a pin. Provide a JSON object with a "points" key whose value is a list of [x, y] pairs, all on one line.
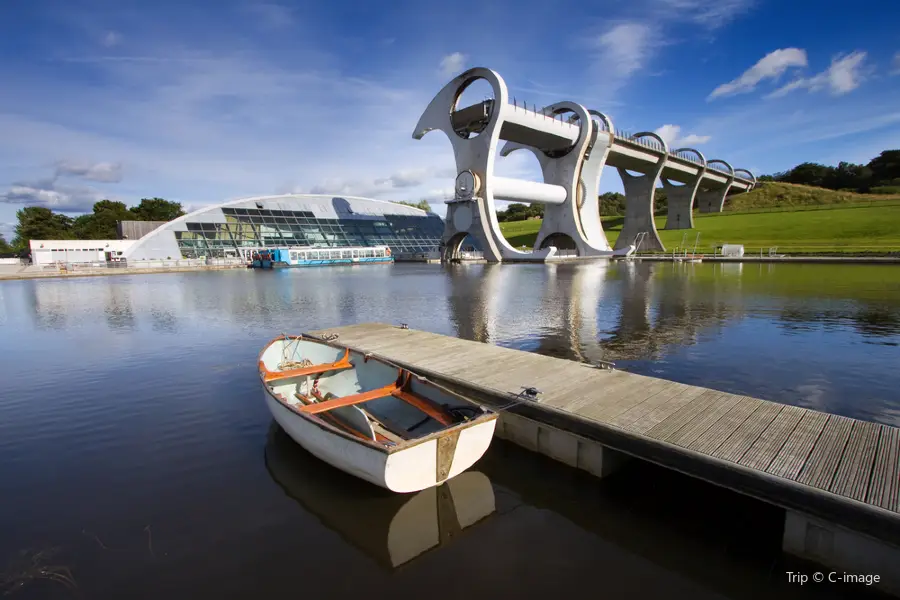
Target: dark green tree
{"points": [[4, 247], [885, 167], [809, 174], [39, 223], [422, 204], [101, 224], [612, 204], [157, 209]]}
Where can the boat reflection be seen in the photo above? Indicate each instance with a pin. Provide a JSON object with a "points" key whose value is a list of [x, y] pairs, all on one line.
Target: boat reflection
{"points": [[393, 529]]}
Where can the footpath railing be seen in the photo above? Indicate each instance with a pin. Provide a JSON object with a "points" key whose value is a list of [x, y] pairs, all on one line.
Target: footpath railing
{"points": [[142, 264]]}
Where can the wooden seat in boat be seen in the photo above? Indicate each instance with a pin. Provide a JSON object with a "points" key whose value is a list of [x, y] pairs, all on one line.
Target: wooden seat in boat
{"points": [[382, 426], [380, 435], [399, 390], [320, 407], [340, 365]]}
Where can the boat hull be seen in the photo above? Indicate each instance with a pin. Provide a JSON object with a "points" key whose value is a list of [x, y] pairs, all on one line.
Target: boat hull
{"points": [[432, 461], [335, 262]]}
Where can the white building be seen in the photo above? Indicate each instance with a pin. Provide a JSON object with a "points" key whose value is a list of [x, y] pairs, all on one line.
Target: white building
{"points": [[233, 229], [48, 252]]}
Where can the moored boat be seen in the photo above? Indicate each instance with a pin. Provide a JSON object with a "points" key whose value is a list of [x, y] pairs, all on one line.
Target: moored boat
{"points": [[370, 417], [307, 256]]}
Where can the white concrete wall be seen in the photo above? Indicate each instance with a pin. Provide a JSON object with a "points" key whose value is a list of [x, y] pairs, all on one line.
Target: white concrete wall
{"points": [[45, 252]]}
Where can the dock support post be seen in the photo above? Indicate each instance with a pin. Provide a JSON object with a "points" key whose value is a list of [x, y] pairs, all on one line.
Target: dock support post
{"points": [[843, 550], [568, 448]]}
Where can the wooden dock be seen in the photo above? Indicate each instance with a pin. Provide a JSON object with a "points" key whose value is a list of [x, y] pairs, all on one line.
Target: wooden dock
{"points": [[838, 479]]}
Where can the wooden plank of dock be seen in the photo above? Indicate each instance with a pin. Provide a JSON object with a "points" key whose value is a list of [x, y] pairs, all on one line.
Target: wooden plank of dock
{"points": [[828, 466]]}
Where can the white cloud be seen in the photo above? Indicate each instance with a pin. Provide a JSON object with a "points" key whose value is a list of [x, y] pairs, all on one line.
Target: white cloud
{"points": [[198, 128], [111, 38], [617, 55], [401, 180], [625, 48], [672, 135], [55, 193], [845, 74], [50, 193], [694, 140], [711, 15], [895, 64], [105, 172], [771, 66], [453, 64]]}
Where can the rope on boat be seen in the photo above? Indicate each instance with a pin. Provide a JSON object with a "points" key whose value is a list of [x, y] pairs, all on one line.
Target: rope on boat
{"points": [[287, 360]]}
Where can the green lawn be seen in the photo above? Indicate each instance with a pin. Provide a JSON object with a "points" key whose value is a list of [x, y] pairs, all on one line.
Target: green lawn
{"points": [[838, 228]]}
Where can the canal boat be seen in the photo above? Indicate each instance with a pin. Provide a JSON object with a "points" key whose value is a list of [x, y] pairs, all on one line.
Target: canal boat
{"points": [[309, 256], [370, 417]]}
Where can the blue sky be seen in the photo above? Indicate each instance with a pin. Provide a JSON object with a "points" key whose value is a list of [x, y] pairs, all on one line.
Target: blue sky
{"points": [[206, 101]]}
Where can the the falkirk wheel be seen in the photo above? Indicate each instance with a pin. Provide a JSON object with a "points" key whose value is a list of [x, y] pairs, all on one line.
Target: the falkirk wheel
{"points": [[572, 145]]}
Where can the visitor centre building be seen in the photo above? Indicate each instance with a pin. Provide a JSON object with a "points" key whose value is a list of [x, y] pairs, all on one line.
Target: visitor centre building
{"points": [[235, 229]]}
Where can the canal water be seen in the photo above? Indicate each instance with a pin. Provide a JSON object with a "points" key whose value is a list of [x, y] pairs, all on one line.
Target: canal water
{"points": [[137, 459]]}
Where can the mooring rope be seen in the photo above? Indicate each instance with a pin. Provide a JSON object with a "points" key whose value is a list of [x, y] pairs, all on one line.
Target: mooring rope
{"points": [[287, 358]]}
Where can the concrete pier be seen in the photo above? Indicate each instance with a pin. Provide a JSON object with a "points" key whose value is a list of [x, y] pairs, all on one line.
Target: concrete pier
{"points": [[639, 194], [837, 479], [681, 200]]}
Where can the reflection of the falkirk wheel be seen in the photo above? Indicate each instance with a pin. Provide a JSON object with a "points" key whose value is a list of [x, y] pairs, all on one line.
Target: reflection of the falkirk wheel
{"points": [[391, 528]]}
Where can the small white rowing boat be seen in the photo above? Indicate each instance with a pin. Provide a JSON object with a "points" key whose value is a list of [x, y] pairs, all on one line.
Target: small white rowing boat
{"points": [[369, 417]]}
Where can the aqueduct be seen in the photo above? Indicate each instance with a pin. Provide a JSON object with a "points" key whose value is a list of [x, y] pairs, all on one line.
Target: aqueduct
{"points": [[572, 145]]}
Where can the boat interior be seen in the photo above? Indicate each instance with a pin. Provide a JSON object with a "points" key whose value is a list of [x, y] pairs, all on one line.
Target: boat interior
{"points": [[357, 394]]}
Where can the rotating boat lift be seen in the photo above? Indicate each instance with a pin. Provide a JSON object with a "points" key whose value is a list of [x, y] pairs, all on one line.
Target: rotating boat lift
{"points": [[572, 152]]}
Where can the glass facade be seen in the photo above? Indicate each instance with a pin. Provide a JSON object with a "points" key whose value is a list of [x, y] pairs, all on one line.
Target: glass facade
{"points": [[260, 228]]}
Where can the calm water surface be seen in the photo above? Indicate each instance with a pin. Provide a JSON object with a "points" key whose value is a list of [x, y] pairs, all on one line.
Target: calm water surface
{"points": [[137, 459]]}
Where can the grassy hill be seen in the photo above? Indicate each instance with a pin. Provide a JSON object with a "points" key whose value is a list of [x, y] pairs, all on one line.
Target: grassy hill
{"points": [[797, 219], [787, 197]]}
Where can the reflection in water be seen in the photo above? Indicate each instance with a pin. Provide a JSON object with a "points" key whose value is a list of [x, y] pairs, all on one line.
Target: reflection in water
{"points": [[185, 460], [391, 528], [49, 304], [717, 325], [682, 528], [119, 314]]}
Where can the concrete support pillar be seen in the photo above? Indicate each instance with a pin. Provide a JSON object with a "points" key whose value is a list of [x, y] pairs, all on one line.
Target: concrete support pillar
{"points": [[467, 218], [681, 203], [568, 448], [842, 551], [711, 201], [639, 193], [681, 197]]}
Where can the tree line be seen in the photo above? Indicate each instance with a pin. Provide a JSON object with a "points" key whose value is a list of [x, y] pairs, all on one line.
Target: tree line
{"points": [[612, 204], [879, 175], [39, 223], [422, 204]]}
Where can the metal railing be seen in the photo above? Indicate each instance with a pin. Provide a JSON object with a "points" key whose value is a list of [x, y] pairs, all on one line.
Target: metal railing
{"points": [[645, 141]]}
